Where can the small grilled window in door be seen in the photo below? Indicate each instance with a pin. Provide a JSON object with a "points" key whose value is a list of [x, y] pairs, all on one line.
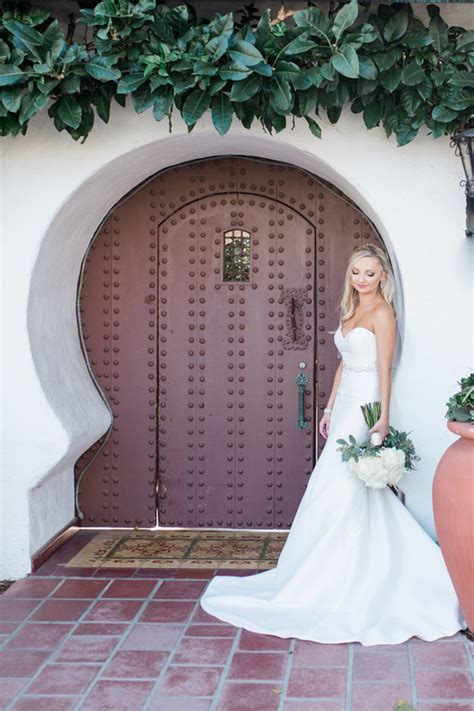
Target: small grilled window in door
{"points": [[237, 255]]}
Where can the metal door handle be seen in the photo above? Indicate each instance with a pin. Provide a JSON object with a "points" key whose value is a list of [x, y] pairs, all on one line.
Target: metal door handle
{"points": [[301, 382]]}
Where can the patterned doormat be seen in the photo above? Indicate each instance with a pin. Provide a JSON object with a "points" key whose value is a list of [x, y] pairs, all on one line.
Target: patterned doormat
{"points": [[257, 550]]}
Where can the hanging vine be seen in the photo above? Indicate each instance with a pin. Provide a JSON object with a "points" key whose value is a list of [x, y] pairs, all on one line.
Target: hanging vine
{"points": [[393, 69]]}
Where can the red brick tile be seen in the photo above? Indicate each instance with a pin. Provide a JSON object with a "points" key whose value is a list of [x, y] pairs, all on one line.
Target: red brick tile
{"points": [[175, 589], [7, 628], [257, 665], [191, 681], [448, 654], [130, 588], [211, 631], [118, 696], [51, 703], [394, 648], [322, 705], [87, 649], [185, 703], [242, 697], [254, 642], [60, 610], [39, 636], [453, 706], [63, 679], [115, 572], [201, 616], [9, 688], [155, 573], [197, 574], [101, 628], [12, 610], [114, 611], [374, 695], [199, 650], [31, 587], [20, 664], [136, 664], [64, 571], [153, 637], [380, 666], [327, 683], [314, 654], [443, 685], [167, 611], [80, 588]]}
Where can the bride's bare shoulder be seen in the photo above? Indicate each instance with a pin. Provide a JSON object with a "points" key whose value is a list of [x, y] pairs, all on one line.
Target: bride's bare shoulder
{"points": [[383, 315]]}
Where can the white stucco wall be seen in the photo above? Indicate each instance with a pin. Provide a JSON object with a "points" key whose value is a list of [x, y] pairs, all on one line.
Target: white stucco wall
{"points": [[55, 194]]}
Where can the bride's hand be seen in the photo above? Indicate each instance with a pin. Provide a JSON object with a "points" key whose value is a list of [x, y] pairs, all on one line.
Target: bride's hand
{"points": [[382, 427], [324, 424]]}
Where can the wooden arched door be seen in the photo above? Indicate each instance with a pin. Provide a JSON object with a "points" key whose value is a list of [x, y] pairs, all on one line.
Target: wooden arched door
{"points": [[207, 295]]}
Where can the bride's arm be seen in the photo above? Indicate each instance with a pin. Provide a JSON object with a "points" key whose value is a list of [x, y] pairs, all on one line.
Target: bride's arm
{"points": [[326, 418], [385, 335]]}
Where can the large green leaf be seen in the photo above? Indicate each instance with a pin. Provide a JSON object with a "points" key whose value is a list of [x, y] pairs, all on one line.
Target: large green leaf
{"points": [[234, 71], [245, 53], [23, 32], [197, 102], [298, 45], [217, 47], [346, 16], [396, 26], [412, 74], [10, 75], [372, 114], [314, 127], [386, 60], [263, 68], [130, 82], [462, 78], [314, 20], [244, 90], [70, 111], [163, 103], [438, 31], [11, 98], [281, 96], [292, 73], [411, 100], [346, 62], [443, 114], [391, 78], [367, 68], [54, 40], [102, 68], [405, 134], [222, 111], [466, 41], [31, 104]]}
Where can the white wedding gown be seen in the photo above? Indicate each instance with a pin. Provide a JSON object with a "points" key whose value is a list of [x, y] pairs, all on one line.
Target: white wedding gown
{"points": [[356, 565]]}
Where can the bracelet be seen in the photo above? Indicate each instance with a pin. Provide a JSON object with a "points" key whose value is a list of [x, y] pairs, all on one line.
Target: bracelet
{"points": [[327, 409]]}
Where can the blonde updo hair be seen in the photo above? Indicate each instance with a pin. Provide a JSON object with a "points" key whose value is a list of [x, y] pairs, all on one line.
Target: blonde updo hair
{"points": [[350, 297]]}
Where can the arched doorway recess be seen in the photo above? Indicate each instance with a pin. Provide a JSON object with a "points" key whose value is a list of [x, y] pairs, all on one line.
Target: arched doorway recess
{"points": [[205, 293]]}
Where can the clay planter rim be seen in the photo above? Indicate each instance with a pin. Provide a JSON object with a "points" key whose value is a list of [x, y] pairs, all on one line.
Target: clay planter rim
{"points": [[463, 429]]}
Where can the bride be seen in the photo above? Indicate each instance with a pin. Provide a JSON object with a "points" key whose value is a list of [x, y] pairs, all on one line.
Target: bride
{"points": [[356, 566]]}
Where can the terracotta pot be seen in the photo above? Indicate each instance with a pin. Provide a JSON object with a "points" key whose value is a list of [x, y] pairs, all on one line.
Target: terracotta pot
{"points": [[453, 497]]}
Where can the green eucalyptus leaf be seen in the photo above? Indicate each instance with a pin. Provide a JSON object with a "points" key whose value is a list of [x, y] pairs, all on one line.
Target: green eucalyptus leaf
{"points": [[346, 16], [196, 103], [222, 112], [346, 62], [70, 111], [10, 75]]}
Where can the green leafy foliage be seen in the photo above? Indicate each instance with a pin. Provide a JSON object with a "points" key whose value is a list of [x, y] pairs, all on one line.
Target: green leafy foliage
{"points": [[396, 71], [354, 450], [461, 404]]}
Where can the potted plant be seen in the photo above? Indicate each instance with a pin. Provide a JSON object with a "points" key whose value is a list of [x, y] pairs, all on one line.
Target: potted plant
{"points": [[453, 487]]}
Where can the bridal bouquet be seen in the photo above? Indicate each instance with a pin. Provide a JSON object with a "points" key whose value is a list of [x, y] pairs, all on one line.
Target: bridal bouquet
{"points": [[378, 464]]}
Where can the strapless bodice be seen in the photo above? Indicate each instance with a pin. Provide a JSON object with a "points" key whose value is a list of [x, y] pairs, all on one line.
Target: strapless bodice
{"points": [[358, 349]]}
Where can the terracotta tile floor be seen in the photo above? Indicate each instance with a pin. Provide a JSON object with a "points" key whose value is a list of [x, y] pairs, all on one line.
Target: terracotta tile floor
{"points": [[136, 638]]}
